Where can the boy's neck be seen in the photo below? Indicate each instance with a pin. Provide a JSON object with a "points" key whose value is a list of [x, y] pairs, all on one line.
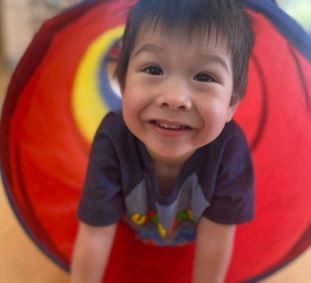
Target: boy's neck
{"points": [[167, 169], [165, 162], [166, 174]]}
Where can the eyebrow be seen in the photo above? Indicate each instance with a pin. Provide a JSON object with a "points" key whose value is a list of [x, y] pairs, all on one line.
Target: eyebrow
{"points": [[218, 60], [147, 48], [209, 57]]}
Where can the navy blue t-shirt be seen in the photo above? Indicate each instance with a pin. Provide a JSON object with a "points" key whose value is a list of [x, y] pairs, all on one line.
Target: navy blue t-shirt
{"points": [[216, 182]]}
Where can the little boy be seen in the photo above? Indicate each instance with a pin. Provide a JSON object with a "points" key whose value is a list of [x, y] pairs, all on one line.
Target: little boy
{"points": [[173, 165]]}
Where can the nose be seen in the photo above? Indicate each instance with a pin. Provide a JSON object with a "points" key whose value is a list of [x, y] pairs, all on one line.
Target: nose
{"points": [[175, 96]]}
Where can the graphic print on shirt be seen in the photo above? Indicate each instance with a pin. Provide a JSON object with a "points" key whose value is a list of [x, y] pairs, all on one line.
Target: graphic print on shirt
{"points": [[165, 225]]}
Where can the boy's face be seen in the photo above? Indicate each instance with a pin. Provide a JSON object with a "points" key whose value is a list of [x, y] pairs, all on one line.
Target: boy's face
{"points": [[177, 93]]}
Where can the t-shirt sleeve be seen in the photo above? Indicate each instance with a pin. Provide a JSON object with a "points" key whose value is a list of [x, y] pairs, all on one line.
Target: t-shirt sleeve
{"points": [[101, 202], [233, 199]]}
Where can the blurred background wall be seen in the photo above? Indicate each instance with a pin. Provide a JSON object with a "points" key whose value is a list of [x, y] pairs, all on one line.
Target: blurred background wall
{"points": [[19, 20]]}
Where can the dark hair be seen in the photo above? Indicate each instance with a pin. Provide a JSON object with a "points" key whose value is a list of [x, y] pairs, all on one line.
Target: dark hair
{"points": [[225, 17]]}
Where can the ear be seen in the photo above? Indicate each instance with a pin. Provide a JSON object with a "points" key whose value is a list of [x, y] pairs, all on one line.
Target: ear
{"points": [[232, 108]]}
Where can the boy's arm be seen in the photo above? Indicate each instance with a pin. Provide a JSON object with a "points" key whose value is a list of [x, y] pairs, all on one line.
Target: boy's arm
{"points": [[214, 243], [91, 253]]}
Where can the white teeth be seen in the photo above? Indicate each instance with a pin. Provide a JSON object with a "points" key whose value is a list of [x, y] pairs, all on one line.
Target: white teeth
{"points": [[171, 127]]}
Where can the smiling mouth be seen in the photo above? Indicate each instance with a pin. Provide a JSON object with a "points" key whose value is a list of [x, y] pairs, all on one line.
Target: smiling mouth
{"points": [[172, 126]]}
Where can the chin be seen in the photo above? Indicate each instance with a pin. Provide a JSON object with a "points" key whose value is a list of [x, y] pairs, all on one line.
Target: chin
{"points": [[170, 154]]}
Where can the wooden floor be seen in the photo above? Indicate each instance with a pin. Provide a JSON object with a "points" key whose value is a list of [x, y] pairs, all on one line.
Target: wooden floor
{"points": [[22, 262]]}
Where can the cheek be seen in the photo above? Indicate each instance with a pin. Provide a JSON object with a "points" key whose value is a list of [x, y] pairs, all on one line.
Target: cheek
{"points": [[213, 111], [129, 115], [136, 96], [132, 101], [214, 117]]}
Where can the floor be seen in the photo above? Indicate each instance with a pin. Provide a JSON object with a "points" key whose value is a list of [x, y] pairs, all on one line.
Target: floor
{"points": [[22, 262]]}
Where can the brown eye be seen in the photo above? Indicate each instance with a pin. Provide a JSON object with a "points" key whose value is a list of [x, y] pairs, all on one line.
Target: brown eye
{"points": [[204, 78], [153, 70]]}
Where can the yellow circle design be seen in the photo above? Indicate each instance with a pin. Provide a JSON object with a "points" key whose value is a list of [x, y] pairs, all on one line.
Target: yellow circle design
{"points": [[88, 105]]}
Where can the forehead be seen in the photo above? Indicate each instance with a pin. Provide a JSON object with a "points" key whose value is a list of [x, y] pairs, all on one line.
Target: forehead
{"points": [[162, 37]]}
